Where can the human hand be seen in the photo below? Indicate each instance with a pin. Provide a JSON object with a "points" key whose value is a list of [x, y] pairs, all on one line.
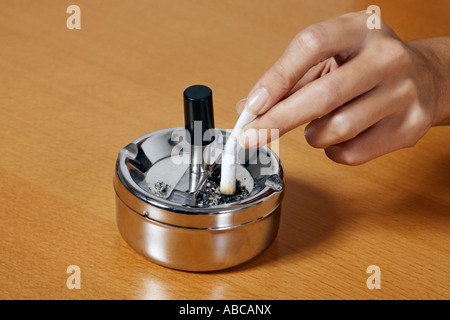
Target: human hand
{"points": [[363, 92]]}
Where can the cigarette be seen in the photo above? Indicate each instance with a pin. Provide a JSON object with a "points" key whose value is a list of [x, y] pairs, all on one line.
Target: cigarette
{"points": [[230, 155]]}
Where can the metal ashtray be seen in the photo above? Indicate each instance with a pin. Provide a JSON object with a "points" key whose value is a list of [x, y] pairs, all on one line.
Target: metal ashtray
{"points": [[167, 203]]}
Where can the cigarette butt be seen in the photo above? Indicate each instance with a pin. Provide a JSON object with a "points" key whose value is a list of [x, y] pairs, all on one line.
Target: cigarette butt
{"points": [[228, 174], [230, 155]]}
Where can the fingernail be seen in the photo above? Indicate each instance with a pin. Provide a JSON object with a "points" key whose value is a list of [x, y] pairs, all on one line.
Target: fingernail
{"points": [[257, 100], [239, 110], [326, 69], [249, 138]]}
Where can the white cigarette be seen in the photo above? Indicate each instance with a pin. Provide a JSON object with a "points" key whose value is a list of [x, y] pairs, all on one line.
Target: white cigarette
{"points": [[230, 155]]}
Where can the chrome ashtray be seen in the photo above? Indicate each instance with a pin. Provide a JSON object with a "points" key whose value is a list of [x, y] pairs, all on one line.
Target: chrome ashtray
{"points": [[168, 205]]}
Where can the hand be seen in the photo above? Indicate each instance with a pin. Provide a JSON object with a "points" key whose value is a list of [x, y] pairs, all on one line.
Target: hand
{"points": [[364, 92]]}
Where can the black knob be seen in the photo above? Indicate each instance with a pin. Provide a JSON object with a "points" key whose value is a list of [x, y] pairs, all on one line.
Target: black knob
{"points": [[198, 113]]}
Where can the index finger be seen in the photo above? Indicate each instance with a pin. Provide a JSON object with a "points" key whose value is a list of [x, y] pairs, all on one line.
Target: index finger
{"points": [[340, 37]]}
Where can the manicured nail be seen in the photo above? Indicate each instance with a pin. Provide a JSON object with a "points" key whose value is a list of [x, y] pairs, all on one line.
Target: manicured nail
{"points": [[249, 138], [257, 100], [239, 110]]}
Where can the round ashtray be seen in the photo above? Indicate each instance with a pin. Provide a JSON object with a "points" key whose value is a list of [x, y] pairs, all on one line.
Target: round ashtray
{"points": [[160, 217]]}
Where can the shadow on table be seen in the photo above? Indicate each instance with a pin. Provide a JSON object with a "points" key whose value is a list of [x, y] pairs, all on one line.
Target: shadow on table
{"points": [[428, 194], [308, 217]]}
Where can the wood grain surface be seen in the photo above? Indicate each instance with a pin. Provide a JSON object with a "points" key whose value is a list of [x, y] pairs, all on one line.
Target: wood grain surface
{"points": [[71, 99]]}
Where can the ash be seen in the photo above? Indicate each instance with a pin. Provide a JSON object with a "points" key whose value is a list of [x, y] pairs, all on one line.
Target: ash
{"points": [[160, 188], [210, 194]]}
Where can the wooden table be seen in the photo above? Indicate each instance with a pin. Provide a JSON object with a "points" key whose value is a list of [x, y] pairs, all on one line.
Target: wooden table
{"points": [[71, 99]]}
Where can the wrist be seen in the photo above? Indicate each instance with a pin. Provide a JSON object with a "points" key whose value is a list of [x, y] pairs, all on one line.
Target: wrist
{"points": [[436, 52]]}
